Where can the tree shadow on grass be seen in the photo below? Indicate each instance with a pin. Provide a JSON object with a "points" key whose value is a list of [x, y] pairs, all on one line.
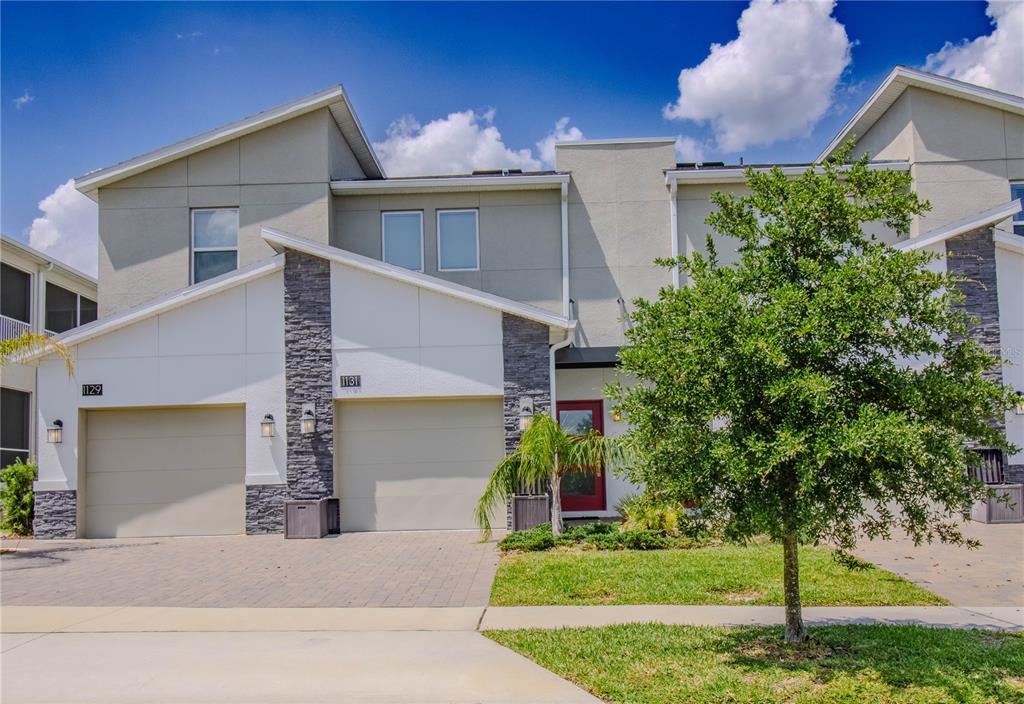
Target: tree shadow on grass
{"points": [[963, 664]]}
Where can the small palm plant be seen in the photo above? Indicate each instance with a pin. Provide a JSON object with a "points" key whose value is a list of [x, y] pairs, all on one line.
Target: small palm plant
{"points": [[545, 453], [13, 349]]}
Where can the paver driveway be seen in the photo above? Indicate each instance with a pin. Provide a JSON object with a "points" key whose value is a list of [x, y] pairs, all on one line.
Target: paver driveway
{"points": [[355, 569]]}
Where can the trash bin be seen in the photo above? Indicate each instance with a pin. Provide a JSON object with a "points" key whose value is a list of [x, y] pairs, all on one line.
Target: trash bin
{"points": [[305, 518], [333, 512]]}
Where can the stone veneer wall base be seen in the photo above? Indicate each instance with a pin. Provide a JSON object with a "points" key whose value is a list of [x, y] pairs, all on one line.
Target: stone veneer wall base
{"points": [[55, 514], [264, 508]]}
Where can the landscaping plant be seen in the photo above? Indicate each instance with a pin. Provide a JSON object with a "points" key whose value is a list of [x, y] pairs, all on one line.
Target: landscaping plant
{"points": [[824, 384], [16, 497], [544, 454]]}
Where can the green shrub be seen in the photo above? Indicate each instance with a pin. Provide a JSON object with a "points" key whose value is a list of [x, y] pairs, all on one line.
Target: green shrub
{"points": [[645, 540], [16, 497], [532, 540], [607, 541]]}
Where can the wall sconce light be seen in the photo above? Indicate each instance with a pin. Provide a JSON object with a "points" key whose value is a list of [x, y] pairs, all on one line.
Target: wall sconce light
{"points": [[1020, 409], [55, 433], [267, 426], [525, 412], [308, 422], [616, 416]]}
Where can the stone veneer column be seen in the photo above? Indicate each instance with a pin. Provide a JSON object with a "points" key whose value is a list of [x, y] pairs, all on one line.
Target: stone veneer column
{"points": [[973, 256], [55, 514], [527, 373], [308, 374]]}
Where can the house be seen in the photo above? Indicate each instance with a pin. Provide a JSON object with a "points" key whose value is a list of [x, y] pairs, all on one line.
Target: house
{"points": [[42, 296], [279, 319]]}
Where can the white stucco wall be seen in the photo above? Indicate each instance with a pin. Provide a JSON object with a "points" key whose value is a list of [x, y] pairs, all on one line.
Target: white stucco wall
{"points": [[409, 342], [225, 349], [588, 385], [1010, 272]]}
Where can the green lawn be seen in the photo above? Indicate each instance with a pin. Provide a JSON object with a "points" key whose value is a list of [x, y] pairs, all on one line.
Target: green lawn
{"points": [[727, 574], [657, 664]]}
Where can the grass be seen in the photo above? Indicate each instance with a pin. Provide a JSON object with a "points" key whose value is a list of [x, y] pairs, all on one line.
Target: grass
{"points": [[725, 574], [656, 664]]}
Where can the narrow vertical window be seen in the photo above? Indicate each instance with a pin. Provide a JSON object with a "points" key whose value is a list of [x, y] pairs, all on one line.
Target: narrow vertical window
{"points": [[402, 239], [458, 240], [16, 298], [214, 242], [1017, 193]]}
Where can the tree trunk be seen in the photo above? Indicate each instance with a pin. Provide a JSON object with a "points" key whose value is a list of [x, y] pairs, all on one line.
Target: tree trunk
{"points": [[795, 631], [556, 500]]}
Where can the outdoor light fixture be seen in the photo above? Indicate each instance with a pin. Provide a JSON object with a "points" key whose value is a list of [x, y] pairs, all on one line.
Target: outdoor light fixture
{"points": [[267, 426], [525, 412], [55, 433], [308, 419], [616, 416]]}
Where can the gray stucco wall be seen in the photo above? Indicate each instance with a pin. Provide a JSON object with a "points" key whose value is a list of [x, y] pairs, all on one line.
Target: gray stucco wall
{"points": [[278, 177], [520, 238], [308, 374]]}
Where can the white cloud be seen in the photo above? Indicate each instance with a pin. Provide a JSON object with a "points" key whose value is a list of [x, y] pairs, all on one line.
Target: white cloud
{"points": [[67, 230], [774, 81], [460, 143], [561, 133], [995, 60], [689, 149], [23, 100]]}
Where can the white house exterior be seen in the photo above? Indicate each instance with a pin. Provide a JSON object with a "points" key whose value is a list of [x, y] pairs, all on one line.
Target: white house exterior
{"points": [[268, 272]]}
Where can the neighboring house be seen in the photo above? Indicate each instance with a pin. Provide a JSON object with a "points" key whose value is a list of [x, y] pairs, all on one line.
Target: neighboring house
{"points": [[38, 294], [279, 319]]}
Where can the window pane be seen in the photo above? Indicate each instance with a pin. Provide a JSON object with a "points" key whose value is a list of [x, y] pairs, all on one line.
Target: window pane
{"points": [[215, 228], [15, 296], [211, 264], [403, 240], [576, 422], [8, 456], [1017, 193], [457, 240], [86, 310], [13, 420], [61, 308]]}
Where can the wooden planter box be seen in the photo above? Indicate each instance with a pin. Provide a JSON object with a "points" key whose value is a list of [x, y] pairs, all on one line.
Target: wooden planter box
{"points": [[993, 510], [530, 510]]}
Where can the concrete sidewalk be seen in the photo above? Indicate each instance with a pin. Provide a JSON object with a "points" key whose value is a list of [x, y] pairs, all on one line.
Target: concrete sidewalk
{"points": [[75, 619]]}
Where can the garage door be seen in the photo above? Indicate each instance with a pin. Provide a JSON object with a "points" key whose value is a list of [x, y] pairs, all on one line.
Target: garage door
{"points": [[414, 465], [172, 471]]}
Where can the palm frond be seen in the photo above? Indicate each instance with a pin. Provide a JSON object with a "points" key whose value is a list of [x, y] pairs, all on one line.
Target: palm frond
{"points": [[30, 342]]}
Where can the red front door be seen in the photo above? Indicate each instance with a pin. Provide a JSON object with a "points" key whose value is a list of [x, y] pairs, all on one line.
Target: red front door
{"points": [[582, 491]]}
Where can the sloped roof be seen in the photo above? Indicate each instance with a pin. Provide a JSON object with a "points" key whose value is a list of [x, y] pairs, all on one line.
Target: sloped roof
{"points": [[903, 77], [46, 259], [333, 98], [196, 292], [282, 241], [964, 225]]}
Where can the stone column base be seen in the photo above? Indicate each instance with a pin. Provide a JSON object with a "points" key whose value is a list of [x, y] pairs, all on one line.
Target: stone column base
{"points": [[264, 508], [55, 514]]}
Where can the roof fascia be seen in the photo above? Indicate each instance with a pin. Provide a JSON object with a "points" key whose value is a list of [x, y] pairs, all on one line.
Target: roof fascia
{"points": [[959, 227], [42, 258], [450, 183], [738, 175]]}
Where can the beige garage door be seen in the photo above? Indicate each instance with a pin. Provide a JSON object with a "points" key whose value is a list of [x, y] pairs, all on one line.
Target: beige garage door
{"points": [[414, 465], [171, 471]]}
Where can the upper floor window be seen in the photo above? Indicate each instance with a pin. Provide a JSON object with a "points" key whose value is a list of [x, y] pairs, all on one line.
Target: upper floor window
{"points": [[16, 290], [66, 309], [214, 242], [1017, 193], [402, 239], [458, 241]]}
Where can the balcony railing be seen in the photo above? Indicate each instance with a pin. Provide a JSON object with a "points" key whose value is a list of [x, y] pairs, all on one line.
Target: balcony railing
{"points": [[11, 328]]}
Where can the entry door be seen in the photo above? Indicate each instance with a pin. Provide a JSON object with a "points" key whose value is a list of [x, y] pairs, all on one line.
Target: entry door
{"points": [[582, 491]]}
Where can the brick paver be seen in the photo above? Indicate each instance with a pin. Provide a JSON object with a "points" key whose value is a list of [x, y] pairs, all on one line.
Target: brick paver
{"points": [[355, 569]]}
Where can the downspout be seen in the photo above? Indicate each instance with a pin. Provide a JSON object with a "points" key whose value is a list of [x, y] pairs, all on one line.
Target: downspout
{"points": [[673, 208], [551, 366], [565, 249]]}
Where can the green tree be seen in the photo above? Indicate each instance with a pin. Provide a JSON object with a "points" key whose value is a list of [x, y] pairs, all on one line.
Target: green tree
{"points": [[824, 384], [544, 455]]}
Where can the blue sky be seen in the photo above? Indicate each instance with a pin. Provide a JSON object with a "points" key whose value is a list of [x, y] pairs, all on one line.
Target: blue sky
{"points": [[85, 85]]}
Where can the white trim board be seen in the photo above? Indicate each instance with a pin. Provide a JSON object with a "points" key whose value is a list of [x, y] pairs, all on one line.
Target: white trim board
{"points": [[739, 173], [45, 259], [903, 77], [512, 182], [333, 97], [163, 304], [282, 241], [959, 227]]}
